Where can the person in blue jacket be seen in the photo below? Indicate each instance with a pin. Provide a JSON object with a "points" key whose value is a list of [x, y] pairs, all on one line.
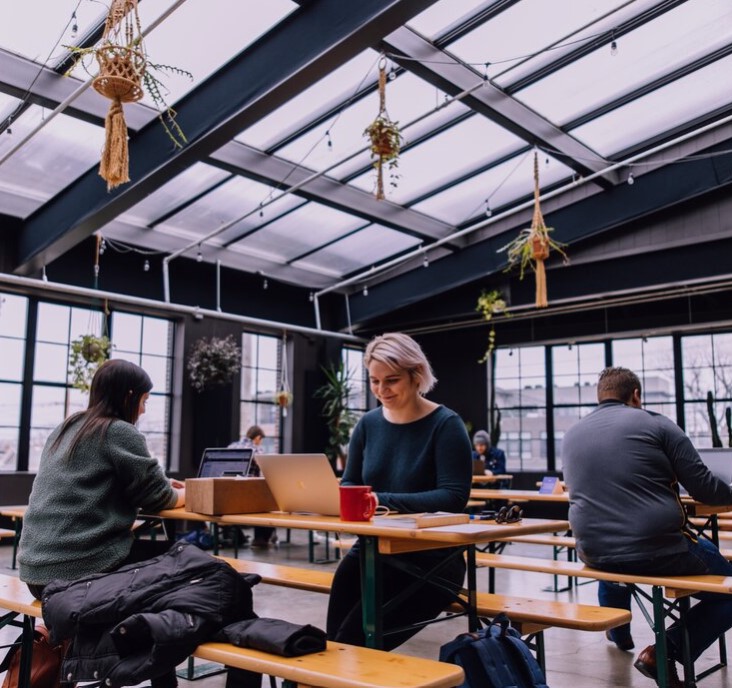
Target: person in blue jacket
{"points": [[493, 458]]}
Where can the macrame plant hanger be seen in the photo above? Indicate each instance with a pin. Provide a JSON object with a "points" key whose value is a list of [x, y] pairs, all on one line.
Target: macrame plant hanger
{"points": [[122, 61], [284, 394], [539, 242]]}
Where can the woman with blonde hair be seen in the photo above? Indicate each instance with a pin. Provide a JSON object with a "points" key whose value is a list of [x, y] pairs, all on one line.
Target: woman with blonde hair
{"points": [[416, 456]]}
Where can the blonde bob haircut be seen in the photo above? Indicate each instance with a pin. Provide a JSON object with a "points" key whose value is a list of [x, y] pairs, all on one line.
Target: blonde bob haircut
{"points": [[401, 352]]}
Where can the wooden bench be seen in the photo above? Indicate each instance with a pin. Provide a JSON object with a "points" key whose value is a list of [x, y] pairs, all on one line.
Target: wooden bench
{"points": [[339, 666], [530, 616], [677, 589]]}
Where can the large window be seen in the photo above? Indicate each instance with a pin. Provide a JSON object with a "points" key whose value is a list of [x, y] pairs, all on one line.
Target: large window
{"points": [[707, 370], [260, 379], [13, 320], [357, 402], [45, 386], [520, 394], [148, 342]]}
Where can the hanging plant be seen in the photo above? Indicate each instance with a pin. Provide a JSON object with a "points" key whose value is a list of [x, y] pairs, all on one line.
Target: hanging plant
{"points": [[533, 245], [125, 74], [283, 396], [489, 304], [385, 139], [88, 352], [213, 361]]}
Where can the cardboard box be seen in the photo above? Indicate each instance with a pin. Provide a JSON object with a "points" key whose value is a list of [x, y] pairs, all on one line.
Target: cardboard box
{"points": [[215, 496]]}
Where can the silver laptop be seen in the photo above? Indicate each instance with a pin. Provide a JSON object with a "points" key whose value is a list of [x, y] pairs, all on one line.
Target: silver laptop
{"points": [[220, 462], [302, 483], [718, 461]]}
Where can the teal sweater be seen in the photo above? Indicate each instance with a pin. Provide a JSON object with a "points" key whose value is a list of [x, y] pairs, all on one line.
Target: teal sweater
{"points": [[82, 507], [420, 466]]}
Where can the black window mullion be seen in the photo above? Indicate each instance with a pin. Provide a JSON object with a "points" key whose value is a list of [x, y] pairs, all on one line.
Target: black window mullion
{"points": [[26, 399]]}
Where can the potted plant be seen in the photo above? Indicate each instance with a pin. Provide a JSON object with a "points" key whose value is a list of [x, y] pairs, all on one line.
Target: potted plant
{"points": [[125, 74], [385, 139], [339, 419], [491, 303], [213, 362], [88, 352], [532, 246]]}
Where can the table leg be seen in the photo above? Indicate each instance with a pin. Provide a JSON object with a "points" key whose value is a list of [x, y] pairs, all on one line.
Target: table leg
{"points": [[473, 621], [371, 592], [659, 631], [18, 523]]}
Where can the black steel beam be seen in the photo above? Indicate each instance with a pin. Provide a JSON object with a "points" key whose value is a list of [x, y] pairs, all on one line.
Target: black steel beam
{"points": [[282, 63], [449, 74], [249, 162], [598, 214]]}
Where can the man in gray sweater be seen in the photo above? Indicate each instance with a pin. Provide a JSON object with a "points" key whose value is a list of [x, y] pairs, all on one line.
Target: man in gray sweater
{"points": [[622, 466]]}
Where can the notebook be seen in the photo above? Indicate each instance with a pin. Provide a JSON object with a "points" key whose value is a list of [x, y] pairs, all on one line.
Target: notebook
{"points": [[718, 461], [301, 482], [225, 461]]}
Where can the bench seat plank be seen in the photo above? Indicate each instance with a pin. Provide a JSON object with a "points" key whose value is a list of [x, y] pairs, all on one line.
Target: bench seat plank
{"points": [[340, 666], [520, 609], [705, 583]]}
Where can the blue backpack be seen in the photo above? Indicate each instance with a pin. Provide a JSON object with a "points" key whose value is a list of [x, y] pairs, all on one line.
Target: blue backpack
{"points": [[494, 657]]}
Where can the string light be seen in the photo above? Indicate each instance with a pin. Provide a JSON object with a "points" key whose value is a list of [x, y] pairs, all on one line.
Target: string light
{"points": [[74, 26], [44, 277], [365, 289], [485, 71], [613, 45], [9, 130], [311, 297], [329, 140], [199, 255], [488, 210], [265, 283], [631, 179], [425, 261], [261, 210], [146, 266], [102, 246]]}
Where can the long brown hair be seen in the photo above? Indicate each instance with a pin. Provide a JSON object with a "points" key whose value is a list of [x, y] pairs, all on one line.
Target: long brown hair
{"points": [[115, 394]]}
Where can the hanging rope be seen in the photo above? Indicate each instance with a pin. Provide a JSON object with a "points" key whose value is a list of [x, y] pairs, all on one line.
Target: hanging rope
{"points": [[539, 237], [121, 69]]}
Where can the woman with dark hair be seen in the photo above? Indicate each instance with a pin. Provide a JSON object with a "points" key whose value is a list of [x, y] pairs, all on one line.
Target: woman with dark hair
{"points": [[94, 475]]}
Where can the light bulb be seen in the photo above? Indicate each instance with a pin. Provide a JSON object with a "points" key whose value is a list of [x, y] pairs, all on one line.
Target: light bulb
{"points": [[488, 211], [392, 75], [614, 48], [146, 266], [425, 261], [311, 297], [631, 179], [9, 131], [365, 290], [74, 26], [199, 255], [265, 283]]}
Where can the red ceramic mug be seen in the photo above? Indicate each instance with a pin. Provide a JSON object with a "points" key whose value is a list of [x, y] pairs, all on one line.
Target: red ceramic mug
{"points": [[358, 503]]}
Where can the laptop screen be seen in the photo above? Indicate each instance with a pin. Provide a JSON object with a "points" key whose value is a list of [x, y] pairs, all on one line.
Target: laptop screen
{"points": [[224, 462], [718, 461]]}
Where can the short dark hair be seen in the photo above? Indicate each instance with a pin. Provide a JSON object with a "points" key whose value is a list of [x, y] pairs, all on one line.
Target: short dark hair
{"points": [[254, 432], [617, 383]]}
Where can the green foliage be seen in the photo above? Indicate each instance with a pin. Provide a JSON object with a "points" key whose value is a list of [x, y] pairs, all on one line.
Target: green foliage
{"points": [[151, 83], [491, 303], [88, 352], [520, 251], [339, 419], [213, 361]]}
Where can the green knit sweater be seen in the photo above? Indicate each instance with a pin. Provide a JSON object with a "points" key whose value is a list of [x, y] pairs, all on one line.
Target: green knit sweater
{"points": [[82, 507]]}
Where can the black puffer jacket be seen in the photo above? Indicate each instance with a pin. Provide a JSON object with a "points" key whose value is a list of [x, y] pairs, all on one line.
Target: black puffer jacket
{"points": [[142, 620]]}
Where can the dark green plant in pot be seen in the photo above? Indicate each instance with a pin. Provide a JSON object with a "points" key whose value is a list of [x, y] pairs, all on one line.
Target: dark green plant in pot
{"points": [[339, 419]]}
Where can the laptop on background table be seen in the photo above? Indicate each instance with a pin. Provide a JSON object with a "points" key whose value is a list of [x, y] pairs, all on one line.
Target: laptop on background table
{"points": [[718, 461], [225, 462], [303, 483]]}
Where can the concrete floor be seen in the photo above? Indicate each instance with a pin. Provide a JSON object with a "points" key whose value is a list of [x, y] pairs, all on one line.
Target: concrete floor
{"points": [[574, 659]]}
